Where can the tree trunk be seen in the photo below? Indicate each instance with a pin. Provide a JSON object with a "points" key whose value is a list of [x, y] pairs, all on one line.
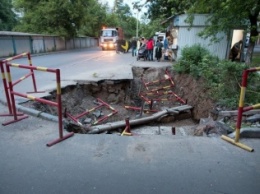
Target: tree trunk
{"points": [[249, 53], [253, 35]]}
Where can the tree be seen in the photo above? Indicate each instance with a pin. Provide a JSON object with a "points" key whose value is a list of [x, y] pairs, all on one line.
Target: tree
{"points": [[125, 18], [164, 9], [226, 15], [7, 16], [94, 19], [59, 17]]}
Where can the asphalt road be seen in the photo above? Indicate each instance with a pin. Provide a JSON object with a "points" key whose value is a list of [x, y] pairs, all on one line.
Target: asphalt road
{"points": [[115, 164], [121, 164], [78, 66]]}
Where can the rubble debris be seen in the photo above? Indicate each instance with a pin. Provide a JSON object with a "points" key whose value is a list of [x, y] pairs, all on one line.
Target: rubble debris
{"points": [[254, 118], [208, 126]]}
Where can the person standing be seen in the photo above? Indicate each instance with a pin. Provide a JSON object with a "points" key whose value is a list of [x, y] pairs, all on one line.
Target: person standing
{"points": [[149, 48], [158, 50], [166, 48], [133, 46], [236, 49], [165, 44]]}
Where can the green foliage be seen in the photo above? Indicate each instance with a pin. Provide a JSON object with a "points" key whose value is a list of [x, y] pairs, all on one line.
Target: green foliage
{"points": [[223, 78], [256, 59], [94, 19], [193, 60], [73, 18], [150, 29], [226, 89], [227, 15], [58, 17], [7, 16], [164, 9]]}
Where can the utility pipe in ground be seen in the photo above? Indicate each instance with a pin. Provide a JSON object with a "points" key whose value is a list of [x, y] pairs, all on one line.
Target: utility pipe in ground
{"points": [[121, 124]]}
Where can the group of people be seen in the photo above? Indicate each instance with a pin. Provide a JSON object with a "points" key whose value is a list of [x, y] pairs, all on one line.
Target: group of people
{"points": [[161, 47], [149, 44]]}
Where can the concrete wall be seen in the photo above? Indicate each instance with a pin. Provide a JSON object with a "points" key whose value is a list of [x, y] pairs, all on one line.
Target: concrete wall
{"points": [[12, 43], [188, 36]]}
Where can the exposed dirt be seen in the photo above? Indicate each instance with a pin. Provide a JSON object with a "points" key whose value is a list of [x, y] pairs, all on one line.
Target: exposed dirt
{"points": [[118, 94]]}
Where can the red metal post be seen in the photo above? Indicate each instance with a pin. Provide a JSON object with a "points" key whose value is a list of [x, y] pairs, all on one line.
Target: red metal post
{"points": [[241, 104], [127, 130], [57, 104], [6, 90], [32, 72], [151, 105], [16, 119], [173, 131], [58, 99]]}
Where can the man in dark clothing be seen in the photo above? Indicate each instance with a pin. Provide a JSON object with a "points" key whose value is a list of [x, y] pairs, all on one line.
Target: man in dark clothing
{"points": [[236, 50], [158, 51], [133, 46]]}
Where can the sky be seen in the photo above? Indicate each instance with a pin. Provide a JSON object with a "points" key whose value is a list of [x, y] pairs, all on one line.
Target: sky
{"points": [[129, 2]]}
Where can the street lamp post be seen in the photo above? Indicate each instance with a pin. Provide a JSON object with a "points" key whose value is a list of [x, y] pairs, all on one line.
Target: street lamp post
{"points": [[137, 24]]}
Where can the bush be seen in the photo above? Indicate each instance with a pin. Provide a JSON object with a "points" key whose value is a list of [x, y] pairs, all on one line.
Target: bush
{"points": [[227, 87], [223, 78], [193, 60]]}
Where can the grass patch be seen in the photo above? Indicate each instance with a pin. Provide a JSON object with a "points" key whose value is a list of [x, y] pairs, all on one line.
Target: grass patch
{"points": [[256, 59]]}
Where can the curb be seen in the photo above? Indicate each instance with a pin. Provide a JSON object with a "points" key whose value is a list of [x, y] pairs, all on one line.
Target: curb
{"points": [[33, 112], [248, 132]]}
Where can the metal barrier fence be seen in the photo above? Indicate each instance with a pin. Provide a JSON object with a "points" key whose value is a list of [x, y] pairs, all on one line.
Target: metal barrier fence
{"points": [[57, 104], [242, 109], [6, 88]]}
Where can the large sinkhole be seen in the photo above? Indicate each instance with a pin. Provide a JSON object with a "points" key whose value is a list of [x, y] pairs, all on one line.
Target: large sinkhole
{"points": [[152, 90]]}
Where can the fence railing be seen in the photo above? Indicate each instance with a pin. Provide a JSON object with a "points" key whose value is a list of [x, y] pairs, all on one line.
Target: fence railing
{"points": [[5, 67]]}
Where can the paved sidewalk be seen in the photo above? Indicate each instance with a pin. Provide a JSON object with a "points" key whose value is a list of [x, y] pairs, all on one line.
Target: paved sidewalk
{"points": [[115, 164]]}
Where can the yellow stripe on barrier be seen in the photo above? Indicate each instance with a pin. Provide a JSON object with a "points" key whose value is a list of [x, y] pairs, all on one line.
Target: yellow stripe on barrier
{"points": [[31, 97], [30, 61], [9, 77], [22, 78], [15, 65], [126, 133], [256, 106], [242, 96], [111, 108], [9, 59], [257, 68], [243, 146], [3, 75], [167, 86], [91, 109], [42, 68], [58, 89]]}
